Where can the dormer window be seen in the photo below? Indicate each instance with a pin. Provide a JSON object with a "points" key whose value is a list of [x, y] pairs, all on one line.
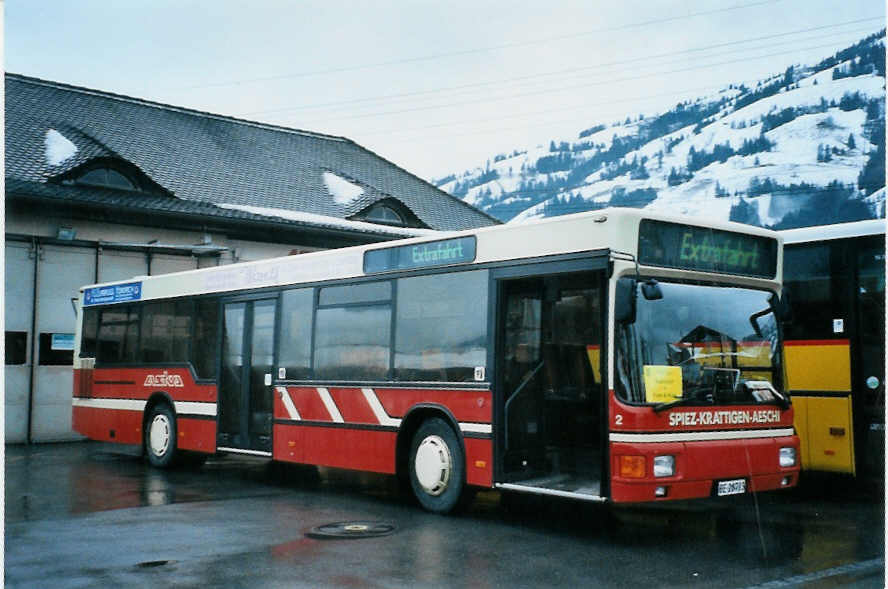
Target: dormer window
{"points": [[113, 174], [384, 214], [106, 178], [391, 212]]}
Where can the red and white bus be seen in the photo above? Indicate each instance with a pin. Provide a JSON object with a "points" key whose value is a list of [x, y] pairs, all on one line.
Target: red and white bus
{"points": [[614, 356]]}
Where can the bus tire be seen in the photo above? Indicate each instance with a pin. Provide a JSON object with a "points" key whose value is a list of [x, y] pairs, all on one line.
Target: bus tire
{"points": [[437, 466], [160, 436]]}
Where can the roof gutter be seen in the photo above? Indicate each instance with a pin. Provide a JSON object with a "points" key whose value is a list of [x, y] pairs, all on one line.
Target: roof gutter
{"points": [[182, 218]]}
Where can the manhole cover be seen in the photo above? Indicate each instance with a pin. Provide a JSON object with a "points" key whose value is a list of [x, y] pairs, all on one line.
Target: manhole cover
{"points": [[359, 529]]}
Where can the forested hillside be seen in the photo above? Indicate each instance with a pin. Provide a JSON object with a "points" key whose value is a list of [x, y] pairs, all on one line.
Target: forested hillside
{"points": [[803, 147]]}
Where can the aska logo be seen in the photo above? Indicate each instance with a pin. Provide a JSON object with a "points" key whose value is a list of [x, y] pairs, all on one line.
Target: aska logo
{"points": [[164, 380]]}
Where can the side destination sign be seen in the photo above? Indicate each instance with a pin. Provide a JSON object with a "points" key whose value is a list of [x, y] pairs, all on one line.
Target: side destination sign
{"points": [[460, 250], [672, 245], [116, 293]]}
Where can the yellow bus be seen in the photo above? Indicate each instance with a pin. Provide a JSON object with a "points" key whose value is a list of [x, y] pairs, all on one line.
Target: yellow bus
{"points": [[835, 344]]}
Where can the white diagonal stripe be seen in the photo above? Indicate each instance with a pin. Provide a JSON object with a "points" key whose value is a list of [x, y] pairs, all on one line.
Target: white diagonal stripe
{"points": [[381, 416], [702, 436], [332, 409], [288, 403]]}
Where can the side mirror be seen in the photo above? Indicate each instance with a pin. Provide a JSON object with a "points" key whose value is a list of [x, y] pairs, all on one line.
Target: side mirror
{"points": [[781, 306], [624, 302]]}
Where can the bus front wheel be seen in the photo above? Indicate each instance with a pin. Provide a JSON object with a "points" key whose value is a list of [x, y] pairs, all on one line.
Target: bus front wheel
{"points": [[437, 466], [160, 436]]}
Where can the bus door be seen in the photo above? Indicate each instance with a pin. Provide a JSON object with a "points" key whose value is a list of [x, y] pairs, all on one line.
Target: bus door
{"points": [[245, 392], [868, 360], [550, 401]]}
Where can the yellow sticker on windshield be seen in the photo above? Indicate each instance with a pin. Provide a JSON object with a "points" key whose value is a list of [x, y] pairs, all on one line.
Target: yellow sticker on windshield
{"points": [[662, 384]]}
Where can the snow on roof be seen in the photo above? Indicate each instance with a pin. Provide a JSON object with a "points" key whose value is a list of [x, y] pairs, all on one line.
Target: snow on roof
{"points": [[58, 147], [326, 221], [342, 190]]}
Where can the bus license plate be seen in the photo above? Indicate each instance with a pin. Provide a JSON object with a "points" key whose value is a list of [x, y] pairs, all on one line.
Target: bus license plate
{"points": [[735, 487]]}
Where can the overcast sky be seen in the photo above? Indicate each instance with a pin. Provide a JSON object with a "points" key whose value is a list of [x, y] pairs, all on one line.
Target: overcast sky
{"points": [[436, 87]]}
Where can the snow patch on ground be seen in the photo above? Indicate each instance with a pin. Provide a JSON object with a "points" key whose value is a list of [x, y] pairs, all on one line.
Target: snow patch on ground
{"points": [[58, 148], [342, 191]]}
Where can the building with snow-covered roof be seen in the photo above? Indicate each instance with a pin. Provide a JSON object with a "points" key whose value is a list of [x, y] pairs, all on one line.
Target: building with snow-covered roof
{"points": [[101, 187]]}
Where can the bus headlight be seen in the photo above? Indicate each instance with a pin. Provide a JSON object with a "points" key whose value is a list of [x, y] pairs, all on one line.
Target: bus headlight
{"points": [[787, 457], [664, 466]]}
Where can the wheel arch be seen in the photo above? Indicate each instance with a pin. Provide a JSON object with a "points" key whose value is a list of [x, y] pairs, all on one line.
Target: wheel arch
{"points": [[415, 416], [156, 398]]}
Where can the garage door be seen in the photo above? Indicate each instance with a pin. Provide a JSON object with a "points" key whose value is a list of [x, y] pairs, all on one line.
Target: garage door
{"points": [[18, 301], [61, 273]]}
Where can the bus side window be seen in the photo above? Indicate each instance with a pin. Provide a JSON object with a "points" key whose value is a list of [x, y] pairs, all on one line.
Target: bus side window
{"points": [[807, 276], [294, 355], [206, 337], [441, 327], [352, 332], [88, 333], [118, 335], [165, 331]]}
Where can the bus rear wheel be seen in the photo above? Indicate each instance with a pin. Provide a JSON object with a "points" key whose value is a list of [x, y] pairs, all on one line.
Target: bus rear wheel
{"points": [[437, 466], [160, 436]]}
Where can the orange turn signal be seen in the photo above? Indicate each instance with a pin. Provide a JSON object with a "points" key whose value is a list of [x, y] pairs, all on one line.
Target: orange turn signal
{"points": [[632, 467]]}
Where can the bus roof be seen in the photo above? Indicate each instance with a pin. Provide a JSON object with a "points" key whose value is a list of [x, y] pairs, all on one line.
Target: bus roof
{"points": [[613, 229], [836, 231]]}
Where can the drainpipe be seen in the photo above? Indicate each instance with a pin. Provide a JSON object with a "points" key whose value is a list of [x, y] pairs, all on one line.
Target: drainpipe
{"points": [[35, 244]]}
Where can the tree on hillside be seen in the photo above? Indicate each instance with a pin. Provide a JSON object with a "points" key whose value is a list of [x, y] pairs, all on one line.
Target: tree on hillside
{"points": [[834, 203], [872, 176], [744, 212]]}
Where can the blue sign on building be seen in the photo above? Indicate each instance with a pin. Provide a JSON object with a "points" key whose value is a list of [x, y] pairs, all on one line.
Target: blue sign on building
{"points": [[116, 293], [62, 341]]}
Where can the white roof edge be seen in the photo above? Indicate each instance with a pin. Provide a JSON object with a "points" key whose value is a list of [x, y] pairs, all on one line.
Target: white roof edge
{"points": [[836, 231], [354, 254]]}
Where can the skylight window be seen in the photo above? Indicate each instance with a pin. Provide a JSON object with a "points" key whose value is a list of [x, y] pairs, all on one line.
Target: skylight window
{"points": [[384, 214], [106, 178]]}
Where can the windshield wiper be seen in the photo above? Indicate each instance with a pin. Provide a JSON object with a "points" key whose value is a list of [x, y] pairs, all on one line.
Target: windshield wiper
{"points": [[764, 392], [660, 407]]}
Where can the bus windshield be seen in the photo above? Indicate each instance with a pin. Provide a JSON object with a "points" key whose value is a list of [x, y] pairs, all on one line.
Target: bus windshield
{"points": [[692, 344]]}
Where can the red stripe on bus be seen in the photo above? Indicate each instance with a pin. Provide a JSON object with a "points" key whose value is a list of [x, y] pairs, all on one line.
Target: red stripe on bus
{"points": [[141, 383], [308, 403], [479, 462], [335, 447], [465, 405], [197, 434], [99, 424], [353, 406], [817, 342]]}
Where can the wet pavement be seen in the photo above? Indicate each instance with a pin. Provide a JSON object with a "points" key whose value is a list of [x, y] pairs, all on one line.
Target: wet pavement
{"points": [[84, 515]]}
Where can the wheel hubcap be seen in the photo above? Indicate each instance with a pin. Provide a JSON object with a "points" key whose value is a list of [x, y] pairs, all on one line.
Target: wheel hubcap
{"points": [[433, 465], [159, 435]]}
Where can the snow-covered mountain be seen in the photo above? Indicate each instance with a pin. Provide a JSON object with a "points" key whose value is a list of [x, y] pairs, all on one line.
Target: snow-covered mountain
{"points": [[803, 147]]}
